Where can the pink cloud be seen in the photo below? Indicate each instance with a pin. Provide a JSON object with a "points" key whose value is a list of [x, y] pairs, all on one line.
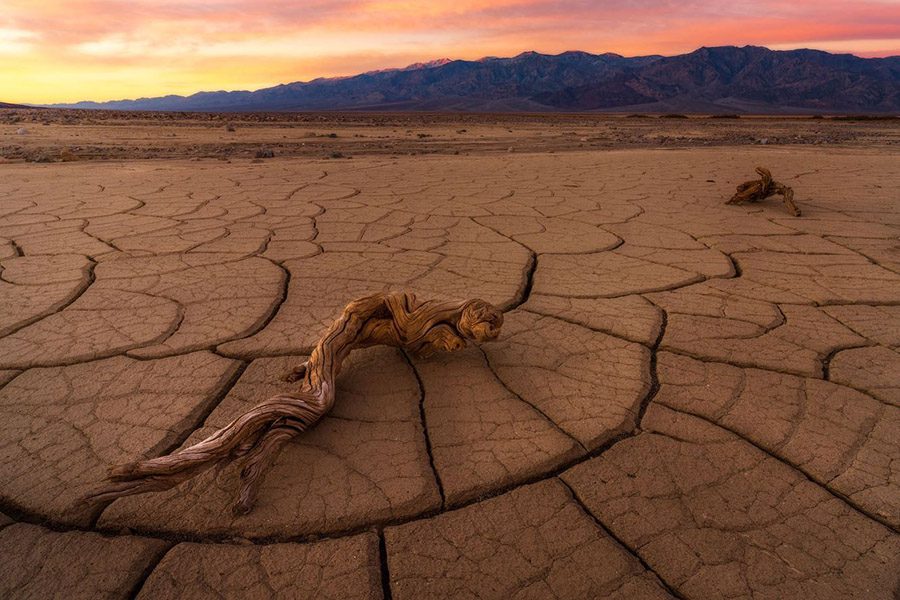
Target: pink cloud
{"points": [[180, 40]]}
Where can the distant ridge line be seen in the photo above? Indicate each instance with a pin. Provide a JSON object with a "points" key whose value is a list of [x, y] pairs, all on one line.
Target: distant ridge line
{"points": [[717, 80]]}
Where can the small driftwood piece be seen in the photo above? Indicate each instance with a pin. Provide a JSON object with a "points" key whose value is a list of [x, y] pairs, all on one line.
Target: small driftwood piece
{"points": [[762, 188], [393, 319]]}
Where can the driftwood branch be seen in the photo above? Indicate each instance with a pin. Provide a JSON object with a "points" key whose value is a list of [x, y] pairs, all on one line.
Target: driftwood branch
{"points": [[762, 188], [394, 319]]}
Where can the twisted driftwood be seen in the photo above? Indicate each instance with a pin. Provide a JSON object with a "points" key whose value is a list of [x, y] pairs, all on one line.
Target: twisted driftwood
{"points": [[393, 319], [762, 188]]}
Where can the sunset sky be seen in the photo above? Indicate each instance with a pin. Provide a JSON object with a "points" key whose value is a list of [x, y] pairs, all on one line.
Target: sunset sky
{"points": [[59, 51]]}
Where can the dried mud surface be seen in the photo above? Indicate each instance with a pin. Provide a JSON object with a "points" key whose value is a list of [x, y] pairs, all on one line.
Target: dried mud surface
{"points": [[688, 399]]}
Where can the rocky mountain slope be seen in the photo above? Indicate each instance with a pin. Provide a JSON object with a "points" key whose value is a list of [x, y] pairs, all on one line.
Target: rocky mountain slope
{"points": [[723, 79]]}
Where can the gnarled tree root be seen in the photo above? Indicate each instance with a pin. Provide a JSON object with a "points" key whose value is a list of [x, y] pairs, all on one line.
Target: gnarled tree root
{"points": [[393, 319], [762, 188]]}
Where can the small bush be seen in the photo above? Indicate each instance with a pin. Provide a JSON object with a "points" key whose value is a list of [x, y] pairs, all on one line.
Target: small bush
{"points": [[865, 118]]}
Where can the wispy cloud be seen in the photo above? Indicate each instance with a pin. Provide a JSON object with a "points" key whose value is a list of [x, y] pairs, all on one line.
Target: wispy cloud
{"points": [[16, 41], [103, 49]]}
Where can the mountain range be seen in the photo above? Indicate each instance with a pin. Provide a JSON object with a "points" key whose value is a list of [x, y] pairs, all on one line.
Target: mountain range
{"points": [[725, 79]]}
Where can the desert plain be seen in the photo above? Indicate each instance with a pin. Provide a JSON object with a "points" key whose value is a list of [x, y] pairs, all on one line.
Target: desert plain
{"points": [[688, 399]]}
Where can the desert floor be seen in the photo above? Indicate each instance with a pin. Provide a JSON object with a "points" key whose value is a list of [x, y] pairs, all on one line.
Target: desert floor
{"points": [[688, 399]]}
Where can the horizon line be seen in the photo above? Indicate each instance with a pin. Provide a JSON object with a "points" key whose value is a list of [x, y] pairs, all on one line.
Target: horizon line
{"points": [[425, 65]]}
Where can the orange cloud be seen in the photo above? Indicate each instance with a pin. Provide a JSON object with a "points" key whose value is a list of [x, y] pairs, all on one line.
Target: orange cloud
{"points": [[106, 49]]}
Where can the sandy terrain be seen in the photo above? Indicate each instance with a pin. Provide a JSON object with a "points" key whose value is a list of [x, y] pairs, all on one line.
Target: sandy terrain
{"points": [[54, 135], [688, 399]]}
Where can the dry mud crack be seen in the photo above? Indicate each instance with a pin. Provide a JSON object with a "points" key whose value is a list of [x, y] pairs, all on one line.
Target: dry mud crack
{"points": [[688, 399]]}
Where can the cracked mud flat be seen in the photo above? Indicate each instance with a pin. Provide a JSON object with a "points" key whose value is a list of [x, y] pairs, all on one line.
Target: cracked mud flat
{"points": [[688, 399]]}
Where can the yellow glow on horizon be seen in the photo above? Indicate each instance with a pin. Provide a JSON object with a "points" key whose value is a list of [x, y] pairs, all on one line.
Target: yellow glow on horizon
{"points": [[113, 49]]}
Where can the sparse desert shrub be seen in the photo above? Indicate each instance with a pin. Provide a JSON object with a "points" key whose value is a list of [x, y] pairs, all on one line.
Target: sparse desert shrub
{"points": [[230, 127], [673, 116], [265, 153], [865, 118], [729, 116]]}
